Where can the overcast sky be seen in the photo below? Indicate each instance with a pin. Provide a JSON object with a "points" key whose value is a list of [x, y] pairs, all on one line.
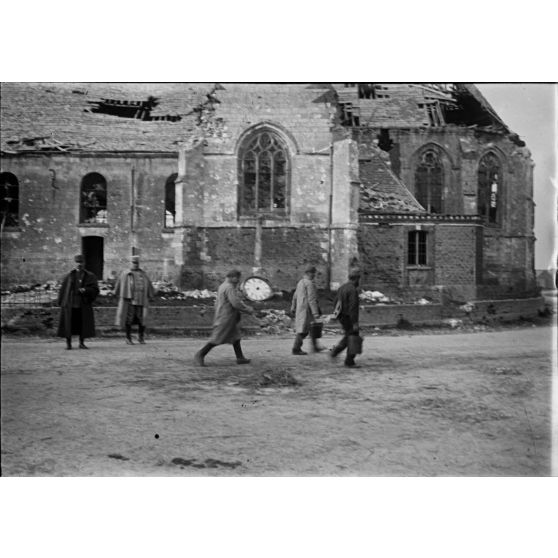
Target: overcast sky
{"points": [[529, 109]]}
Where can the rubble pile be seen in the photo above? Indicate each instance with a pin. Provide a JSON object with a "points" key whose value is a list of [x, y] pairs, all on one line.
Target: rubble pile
{"points": [[280, 378], [274, 321], [39, 293], [374, 297], [168, 291]]}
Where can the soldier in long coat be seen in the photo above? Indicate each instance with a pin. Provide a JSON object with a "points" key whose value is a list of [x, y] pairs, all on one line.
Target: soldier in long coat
{"points": [[78, 292], [228, 308], [347, 310], [306, 310], [134, 291]]}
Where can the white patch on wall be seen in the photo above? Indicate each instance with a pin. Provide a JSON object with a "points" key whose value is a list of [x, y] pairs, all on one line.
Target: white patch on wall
{"points": [[57, 240]]}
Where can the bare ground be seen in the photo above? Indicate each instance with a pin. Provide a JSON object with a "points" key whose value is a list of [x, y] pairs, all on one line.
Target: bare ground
{"points": [[459, 404]]}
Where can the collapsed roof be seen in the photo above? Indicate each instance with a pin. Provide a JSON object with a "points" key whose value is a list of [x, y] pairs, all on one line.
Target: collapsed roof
{"points": [[409, 105], [160, 117], [117, 117]]}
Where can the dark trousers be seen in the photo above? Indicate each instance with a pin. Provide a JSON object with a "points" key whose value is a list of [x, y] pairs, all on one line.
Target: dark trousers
{"points": [[236, 346], [134, 316], [76, 326], [347, 325], [300, 337]]}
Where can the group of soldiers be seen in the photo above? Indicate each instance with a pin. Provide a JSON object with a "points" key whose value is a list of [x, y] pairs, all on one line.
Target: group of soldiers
{"points": [[79, 290], [134, 291]]}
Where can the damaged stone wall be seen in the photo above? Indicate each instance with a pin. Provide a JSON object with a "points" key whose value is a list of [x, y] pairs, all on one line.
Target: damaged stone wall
{"points": [[302, 117], [50, 233], [512, 270], [216, 250], [321, 225]]}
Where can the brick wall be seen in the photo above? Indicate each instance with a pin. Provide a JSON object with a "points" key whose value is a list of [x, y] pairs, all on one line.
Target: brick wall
{"points": [[199, 319], [285, 251], [451, 260], [211, 237], [454, 257], [381, 252], [507, 258]]}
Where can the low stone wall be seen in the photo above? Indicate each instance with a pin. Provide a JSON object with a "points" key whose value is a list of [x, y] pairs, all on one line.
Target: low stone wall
{"points": [[197, 320]]}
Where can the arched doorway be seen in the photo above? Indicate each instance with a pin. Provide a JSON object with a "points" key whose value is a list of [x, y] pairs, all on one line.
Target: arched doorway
{"points": [[93, 251]]}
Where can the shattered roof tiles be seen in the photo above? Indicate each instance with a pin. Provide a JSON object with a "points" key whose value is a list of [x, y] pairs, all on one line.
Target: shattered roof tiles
{"points": [[382, 191], [62, 113]]}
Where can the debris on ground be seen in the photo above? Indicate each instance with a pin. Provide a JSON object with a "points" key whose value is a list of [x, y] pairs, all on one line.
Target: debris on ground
{"points": [[270, 377], [196, 293], [38, 293], [274, 321], [374, 297], [453, 323], [275, 378], [209, 463], [118, 456], [168, 290]]}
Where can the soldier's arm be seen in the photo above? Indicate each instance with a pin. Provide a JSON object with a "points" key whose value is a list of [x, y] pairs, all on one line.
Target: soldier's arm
{"points": [[312, 294], [236, 301]]}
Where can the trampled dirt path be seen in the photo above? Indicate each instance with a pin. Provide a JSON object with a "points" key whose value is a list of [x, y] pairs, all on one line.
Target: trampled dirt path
{"points": [[475, 404]]}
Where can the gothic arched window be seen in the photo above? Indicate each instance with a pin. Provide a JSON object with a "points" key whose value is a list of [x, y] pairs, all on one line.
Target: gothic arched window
{"points": [[9, 188], [489, 188], [263, 169], [93, 206], [429, 181]]}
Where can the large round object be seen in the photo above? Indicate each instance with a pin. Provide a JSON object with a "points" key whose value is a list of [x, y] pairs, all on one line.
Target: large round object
{"points": [[257, 288]]}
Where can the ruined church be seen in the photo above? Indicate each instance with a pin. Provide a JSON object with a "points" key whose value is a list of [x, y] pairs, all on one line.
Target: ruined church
{"points": [[422, 186]]}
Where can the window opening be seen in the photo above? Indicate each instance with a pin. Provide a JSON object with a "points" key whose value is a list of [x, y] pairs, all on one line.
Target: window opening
{"points": [[170, 205], [489, 187], [263, 175], [350, 115], [139, 110], [9, 186], [366, 91], [429, 177], [416, 253], [93, 199], [385, 143]]}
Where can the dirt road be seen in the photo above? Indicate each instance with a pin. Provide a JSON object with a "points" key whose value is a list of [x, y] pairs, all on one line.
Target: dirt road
{"points": [[474, 404]]}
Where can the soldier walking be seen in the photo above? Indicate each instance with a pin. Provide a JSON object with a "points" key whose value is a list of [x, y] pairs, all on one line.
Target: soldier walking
{"points": [[228, 309], [347, 310], [305, 308]]}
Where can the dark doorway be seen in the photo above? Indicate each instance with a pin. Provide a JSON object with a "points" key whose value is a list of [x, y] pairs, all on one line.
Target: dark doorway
{"points": [[93, 252]]}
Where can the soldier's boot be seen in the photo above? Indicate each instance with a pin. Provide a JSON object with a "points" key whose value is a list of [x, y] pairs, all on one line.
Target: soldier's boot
{"points": [[297, 347], [129, 335]]}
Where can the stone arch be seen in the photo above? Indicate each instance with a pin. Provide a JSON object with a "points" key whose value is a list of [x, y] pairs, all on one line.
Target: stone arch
{"points": [[264, 156], [9, 199], [93, 199], [490, 185], [431, 176]]}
